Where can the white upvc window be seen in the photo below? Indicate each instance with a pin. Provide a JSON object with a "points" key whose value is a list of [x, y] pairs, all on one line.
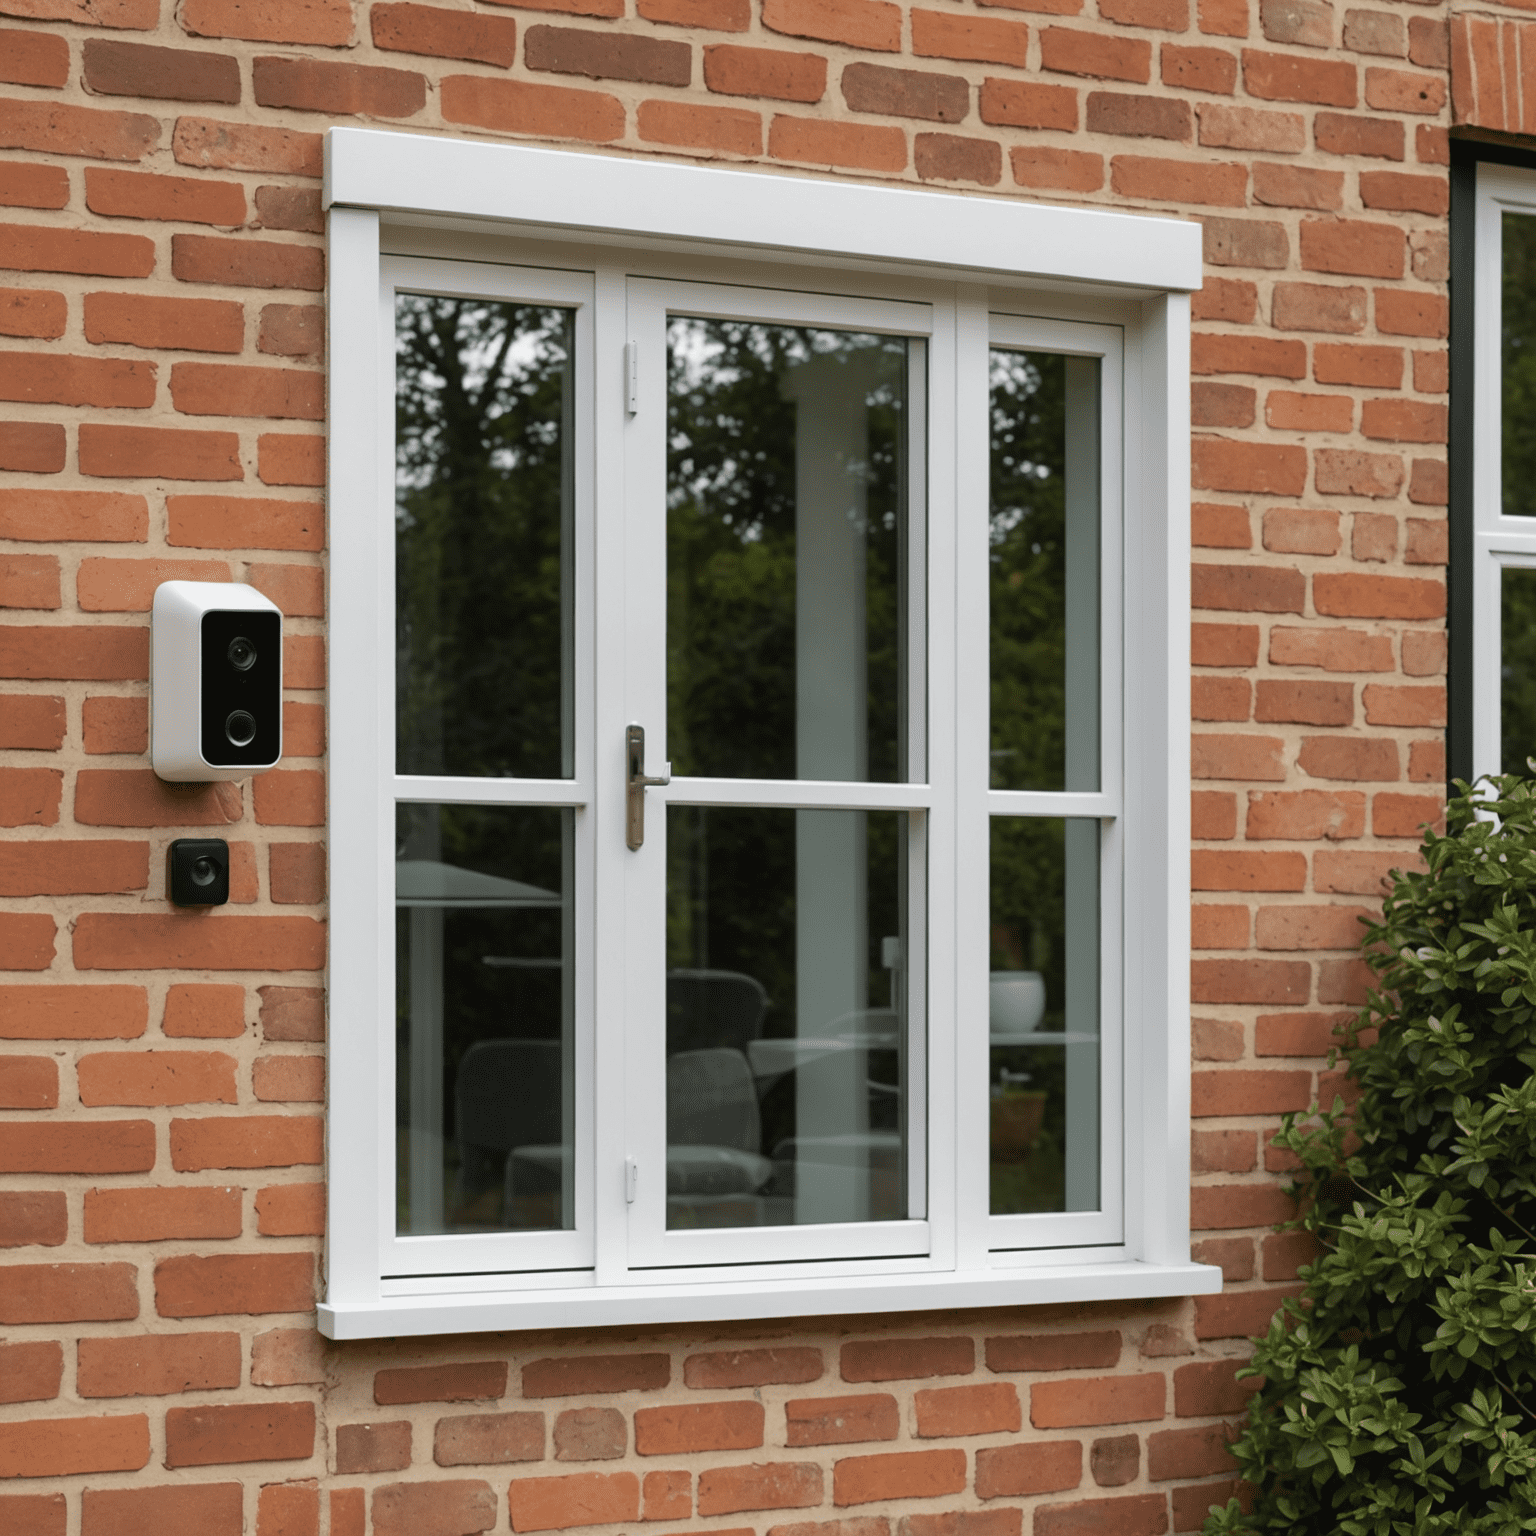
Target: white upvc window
{"points": [[759, 767], [1502, 610]]}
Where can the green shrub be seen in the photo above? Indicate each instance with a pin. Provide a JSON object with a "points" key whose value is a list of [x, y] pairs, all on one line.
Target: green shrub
{"points": [[1399, 1394]]}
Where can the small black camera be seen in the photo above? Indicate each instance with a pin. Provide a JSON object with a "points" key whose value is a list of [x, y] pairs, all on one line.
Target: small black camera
{"points": [[197, 871]]}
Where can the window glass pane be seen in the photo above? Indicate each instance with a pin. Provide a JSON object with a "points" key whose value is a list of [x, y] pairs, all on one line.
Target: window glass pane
{"points": [[1044, 1015], [1044, 571], [787, 1079], [1519, 365], [482, 537], [1517, 713], [786, 494], [483, 1063]]}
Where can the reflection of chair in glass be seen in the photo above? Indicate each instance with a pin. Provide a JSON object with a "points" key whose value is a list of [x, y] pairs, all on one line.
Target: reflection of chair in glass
{"points": [[508, 1100], [715, 1169], [707, 1009]]}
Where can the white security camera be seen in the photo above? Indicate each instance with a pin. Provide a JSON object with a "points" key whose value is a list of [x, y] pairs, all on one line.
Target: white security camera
{"points": [[215, 682]]}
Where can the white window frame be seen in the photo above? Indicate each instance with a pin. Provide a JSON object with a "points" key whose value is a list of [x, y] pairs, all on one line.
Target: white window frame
{"points": [[1108, 284], [1497, 541]]}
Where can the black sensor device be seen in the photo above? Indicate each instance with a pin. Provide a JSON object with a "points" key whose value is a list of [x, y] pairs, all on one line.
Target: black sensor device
{"points": [[242, 700], [197, 871]]}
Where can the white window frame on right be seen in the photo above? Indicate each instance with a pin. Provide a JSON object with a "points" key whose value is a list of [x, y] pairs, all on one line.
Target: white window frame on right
{"points": [[417, 214], [1499, 542]]}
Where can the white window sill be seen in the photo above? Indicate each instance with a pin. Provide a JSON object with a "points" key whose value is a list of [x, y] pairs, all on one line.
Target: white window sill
{"points": [[618, 1306]]}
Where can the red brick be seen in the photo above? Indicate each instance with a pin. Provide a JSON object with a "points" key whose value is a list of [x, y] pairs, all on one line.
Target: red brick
{"points": [[349, 1511], [1176, 181], [1213, 814], [1219, 1206], [199, 1509], [53, 379], [136, 797], [288, 1509], [719, 129], [30, 1372], [1403, 421], [31, 312], [296, 208], [212, 389], [34, 447], [1201, 69], [921, 94], [444, 34], [33, 1218], [1267, 469], [484, 1439], [206, 142], [159, 453], [291, 1210], [89, 1146], [1400, 90], [472, 1381], [292, 330], [1289, 77], [34, 58], [28, 1082], [247, 263], [1284, 1255], [1027, 104], [986, 1409], [182, 199], [223, 1285], [1305, 815], [1219, 927], [29, 581], [68, 1293], [1248, 588], [215, 1436], [1301, 531], [775, 73], [1226, 299], [1225, 127], [590, 1434], [1142, 1514], [63, 1447], [1345, 363], [1431, 372], [1065, 170], [1219, 698], [1195, 1452], [1344, 472], [715, 15], [895, 1475], [1268, 1092], [1219, 870], [295, 1013], [26, 941], [373, 1447], [86, 252], [247, 1141], [907, 1359], [325, 22], [33, 186], [1070, 52], [1097, 1400], [1406, 815], [98, 516], [1340, 135], [720, 1369], [841, 1420], [940, 34], [1287, 411], [289, 1079], [1292, 701], [1406, 313], [286, 1357], [155, 1215], [1211, 1387], [1378, 597], [767, 1485], [684, 1428], [1237, 757], [607, 56], [29, 797], [871, 25], [1248, 981], [1214, 526], [200, 941], [1015, 1471], [291, 797], [1318, 307], [1224, 645], [1052, 1351], [284, 459], [1404, 706], [1352, 246], [559, 1503], [247, 522], [950, 157], [128, 586], [542, 111], [58, 1012], [115, 68], [1223, 1151], [1233, 1255], [157, 1365], [852, 145], [145, 1078], [143, 320], [50, 127], [1116, 1460], [1405, 194], [1333, 757], [583, 1375]]}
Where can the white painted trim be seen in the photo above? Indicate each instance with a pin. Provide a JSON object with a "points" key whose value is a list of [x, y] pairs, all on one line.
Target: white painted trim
{"points": [[717, 231], [641, 199], [590, 1305]]}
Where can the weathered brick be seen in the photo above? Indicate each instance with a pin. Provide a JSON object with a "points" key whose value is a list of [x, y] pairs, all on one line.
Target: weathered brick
{"points": [[766, 1485], [33, 1218], [1097, 1400], [373, 1447], [326, 23], [30, 1372], [1019, 1471], [907, 1359], [157, 1365], [444, 34], [775, 73], [718, 1369], [543, 111], [66, 1447], [559, 1503], [50, 127], [485, 1439], [210, 1509], [897, 1475], [866, 24], [841, 1420]]}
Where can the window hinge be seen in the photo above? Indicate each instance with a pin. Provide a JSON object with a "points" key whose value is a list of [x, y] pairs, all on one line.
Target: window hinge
{"points": [[632, 376], [631, 1178]]}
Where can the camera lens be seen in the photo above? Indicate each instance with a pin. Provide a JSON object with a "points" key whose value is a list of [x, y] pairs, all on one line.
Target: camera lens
{"points": [[242, 654], [204, 871], [241, 728]]}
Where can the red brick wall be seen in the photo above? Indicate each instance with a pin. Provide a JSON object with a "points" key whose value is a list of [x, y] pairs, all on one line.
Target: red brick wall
{"points": [[161, 1074]]}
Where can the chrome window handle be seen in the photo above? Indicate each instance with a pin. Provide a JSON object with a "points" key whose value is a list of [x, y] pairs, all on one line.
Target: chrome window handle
{"points": [[635, 781]]}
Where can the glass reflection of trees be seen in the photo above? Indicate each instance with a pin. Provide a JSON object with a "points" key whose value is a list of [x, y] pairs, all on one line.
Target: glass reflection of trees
{"points": [[1517, 687], [731, 543], [483, 505], [1519, 366]]}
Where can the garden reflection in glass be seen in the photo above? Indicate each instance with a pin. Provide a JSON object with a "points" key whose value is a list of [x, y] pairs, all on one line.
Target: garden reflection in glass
{"points": [[786, 498], [1517, 668], [1044, 531], [1518, 372], [787, 1081], [483, 1058], [1043, 1014], [483, 507]]}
